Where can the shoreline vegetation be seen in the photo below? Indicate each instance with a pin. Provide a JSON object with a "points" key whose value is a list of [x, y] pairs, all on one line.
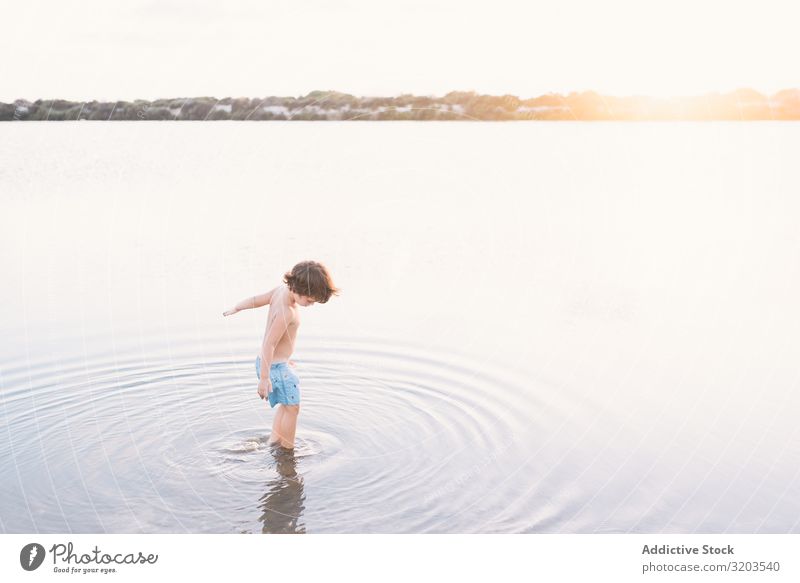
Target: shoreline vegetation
{"points": [[739, 105]]}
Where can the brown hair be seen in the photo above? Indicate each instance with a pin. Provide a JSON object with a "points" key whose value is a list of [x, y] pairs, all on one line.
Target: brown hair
{"points": [[310, 278]]}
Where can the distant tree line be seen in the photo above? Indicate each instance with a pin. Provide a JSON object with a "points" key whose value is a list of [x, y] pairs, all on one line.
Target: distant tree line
{"points": [[742, 104]]}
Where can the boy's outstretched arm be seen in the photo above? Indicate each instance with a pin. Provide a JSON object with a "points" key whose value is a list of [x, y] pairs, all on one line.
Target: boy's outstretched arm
{"points": [[251, 302]]}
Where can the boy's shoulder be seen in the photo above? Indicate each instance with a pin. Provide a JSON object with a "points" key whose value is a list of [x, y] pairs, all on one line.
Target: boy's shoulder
{"points": [[281, 301]]}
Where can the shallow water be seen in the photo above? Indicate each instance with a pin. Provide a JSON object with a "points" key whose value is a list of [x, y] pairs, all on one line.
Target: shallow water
{"points": [[543, 327]]}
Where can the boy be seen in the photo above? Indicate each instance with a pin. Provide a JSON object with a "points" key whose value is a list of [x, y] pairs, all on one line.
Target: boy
{"points": [[306, 284]]}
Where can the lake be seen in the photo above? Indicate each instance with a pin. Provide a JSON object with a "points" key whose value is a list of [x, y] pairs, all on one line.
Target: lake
{"points": [[543, 327]]}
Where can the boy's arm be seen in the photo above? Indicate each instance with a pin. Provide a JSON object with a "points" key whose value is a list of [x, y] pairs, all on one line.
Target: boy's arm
{"points": [[252, 302], [276, 328]]}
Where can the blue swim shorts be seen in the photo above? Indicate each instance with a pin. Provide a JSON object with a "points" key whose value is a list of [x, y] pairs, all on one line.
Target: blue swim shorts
{"points": [[285, 383]]}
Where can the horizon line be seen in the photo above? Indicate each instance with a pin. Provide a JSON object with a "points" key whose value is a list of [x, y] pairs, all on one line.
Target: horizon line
{"points": [[743, 104], [315, 92]]}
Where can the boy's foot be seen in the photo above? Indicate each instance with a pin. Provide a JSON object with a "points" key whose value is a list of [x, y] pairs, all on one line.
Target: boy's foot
{"points": [[281, 453], [279, 444]]}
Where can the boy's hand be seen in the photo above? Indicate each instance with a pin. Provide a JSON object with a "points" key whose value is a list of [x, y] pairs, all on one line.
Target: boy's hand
{"points": [[264, 387], [230, 312]]}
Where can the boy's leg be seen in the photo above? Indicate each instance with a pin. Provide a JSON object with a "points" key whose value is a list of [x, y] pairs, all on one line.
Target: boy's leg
{"points": [[289, 425], [277, 421]]}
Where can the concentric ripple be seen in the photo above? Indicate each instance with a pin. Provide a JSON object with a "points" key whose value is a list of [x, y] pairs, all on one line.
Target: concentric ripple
{"points": [[390, 438]]}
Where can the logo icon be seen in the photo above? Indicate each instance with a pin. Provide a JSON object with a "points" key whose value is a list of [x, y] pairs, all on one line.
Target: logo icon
{"points": [[31, 556]]}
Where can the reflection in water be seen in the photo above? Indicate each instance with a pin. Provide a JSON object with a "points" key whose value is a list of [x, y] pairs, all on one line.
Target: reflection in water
{"points": [[283, 503]]}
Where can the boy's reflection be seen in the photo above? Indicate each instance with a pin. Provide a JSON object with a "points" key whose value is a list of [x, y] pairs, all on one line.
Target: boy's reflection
{"points": [[283, 503]]}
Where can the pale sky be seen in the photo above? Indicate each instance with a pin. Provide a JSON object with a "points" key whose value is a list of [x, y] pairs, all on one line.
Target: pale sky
{"points": [[128, 49]]}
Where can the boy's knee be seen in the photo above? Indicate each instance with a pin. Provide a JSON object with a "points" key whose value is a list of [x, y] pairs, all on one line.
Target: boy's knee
{"points": [[292, 409]]}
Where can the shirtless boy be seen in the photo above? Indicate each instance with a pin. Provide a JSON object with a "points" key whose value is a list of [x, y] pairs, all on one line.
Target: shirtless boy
{"points": [[306, 284]]}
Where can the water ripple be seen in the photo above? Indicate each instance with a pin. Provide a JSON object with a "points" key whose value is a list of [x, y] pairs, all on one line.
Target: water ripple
{"points": [[388, 437]]}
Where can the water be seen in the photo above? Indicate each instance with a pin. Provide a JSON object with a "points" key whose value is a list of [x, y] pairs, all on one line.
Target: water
{"points": [[566, 327]]}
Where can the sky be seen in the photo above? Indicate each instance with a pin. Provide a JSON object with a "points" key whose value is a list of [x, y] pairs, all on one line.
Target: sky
{"points": [[146, 49]]}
